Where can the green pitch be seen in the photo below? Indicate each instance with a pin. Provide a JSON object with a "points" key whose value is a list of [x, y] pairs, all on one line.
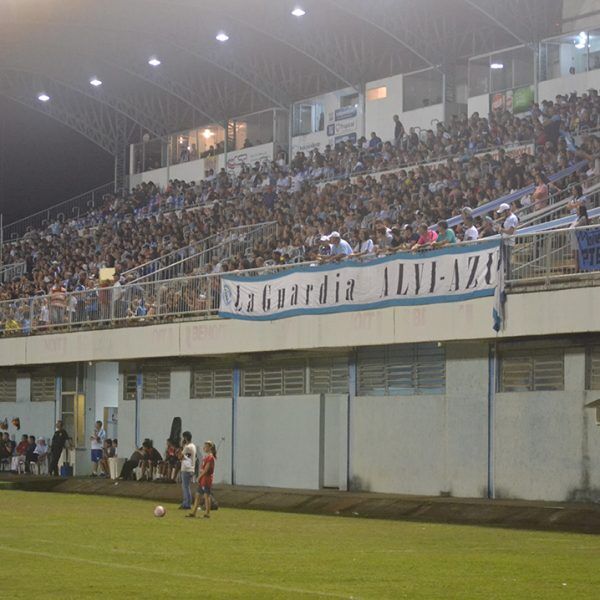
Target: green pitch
{"points": [[67, 546]]}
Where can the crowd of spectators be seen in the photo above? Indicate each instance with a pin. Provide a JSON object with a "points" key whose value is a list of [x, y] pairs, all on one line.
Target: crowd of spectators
{"points": [[29, 455], [380, 197]]}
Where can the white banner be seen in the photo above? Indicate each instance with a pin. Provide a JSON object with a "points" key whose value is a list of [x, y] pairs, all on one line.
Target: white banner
{"points": [[452, 274], [248, 156]]}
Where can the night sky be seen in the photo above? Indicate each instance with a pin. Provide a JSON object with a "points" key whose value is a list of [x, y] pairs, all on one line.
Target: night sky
{"points": [[43, 162]]}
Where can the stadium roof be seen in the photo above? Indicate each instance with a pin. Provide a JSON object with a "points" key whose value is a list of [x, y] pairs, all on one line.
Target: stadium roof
{"points": [[270, 59]]}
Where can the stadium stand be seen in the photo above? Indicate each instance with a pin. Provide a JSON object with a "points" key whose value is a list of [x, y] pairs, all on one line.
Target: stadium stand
{"points": [[272, 214]]}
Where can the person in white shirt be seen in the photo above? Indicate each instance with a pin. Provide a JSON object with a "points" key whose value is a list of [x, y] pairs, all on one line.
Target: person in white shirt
{"points": [[507, 231], [188, 466], [97, 445], [471, 233], [339, 248]]}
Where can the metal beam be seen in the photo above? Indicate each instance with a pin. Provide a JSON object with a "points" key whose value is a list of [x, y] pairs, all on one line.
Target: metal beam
{"points": [[92, 120]]}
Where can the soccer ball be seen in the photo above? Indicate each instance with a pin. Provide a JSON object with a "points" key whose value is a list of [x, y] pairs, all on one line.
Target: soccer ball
{"points": [[159, 511]]}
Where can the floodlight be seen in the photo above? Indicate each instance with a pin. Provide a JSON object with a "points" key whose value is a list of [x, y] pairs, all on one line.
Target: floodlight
{"points": [[43, 97], [496, 66], [298, 12], [222, 36], [95, 82], [154, 61]]}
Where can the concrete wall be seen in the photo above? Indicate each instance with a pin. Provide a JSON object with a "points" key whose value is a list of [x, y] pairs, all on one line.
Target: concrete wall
{"points": [[546, 444], [426, 444], [540, 313], [205, 419], [379, 113], [278, 441], [37, 418]]}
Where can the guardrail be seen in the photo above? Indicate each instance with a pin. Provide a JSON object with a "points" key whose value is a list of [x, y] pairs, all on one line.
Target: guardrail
{"points": [[69, 209], [235, 241], [545, 257], [9, 272]]}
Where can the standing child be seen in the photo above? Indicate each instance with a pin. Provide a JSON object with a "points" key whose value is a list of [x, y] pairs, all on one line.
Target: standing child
{"points": [[205, 479]]}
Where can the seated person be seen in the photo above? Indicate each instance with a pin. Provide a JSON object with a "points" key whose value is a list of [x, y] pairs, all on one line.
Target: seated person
{"points": [[19, 459], [151, 459], [169, 468], [107, 452], [41, 452], [30, 455], [132, 463]]}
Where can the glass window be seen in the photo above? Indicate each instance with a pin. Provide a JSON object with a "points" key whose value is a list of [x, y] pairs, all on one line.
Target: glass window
{"points": [[407, 369], [592, 371], [8, 385], [43, 386], [156, 383], [308, 117], [252, 130], [479, 76], [425, 88], [531, 370], [378, 93], [328, 375], [568, 54], [275, 379], [211, 382]]}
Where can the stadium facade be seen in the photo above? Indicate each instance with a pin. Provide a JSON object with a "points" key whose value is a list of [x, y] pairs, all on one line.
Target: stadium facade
{"points": [[424, 399]]}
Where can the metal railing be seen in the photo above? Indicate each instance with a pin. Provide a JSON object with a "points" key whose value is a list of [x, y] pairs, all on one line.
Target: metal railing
{"points": [[546, 257], [73, 208], [235, 241], [539, 258], [10, 272]]}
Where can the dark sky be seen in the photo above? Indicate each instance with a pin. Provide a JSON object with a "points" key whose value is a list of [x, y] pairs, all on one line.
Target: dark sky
{"points": [[43, 162]]}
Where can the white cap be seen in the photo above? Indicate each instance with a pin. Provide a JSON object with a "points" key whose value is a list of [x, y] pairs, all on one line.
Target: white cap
{"points": [[324, 238], [503, 208], [334, 234]]}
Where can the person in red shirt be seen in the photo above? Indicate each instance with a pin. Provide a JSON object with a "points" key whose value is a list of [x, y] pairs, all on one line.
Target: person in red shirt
{"points": [[205, 479]]}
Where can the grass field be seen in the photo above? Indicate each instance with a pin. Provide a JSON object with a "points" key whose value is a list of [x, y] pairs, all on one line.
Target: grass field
{"points": [[68, 546]]}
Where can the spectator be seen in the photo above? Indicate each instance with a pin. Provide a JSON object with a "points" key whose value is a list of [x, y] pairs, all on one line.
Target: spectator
{"points": [[18, 460], [507, 230], [426, 238], [339, 248], [445, 235], [108, 452], [59, 442], [97, 447], [134, 461], [188, 465], [470, 231]]}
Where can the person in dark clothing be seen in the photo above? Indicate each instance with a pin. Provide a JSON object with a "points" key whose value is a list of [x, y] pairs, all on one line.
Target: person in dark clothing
{"points": [[30, 455], [151, 459], [131, 464], [59, 441]]}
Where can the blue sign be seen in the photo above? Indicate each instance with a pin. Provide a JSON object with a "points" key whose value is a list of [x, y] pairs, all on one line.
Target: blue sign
{"points": [[588, 241], [348, 112]]}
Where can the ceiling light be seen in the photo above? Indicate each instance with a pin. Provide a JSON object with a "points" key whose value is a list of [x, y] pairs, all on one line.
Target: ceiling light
{"points": [[154, 61], [95, 82], [222, 36], [207, 133], [43, 97], [298, 12], [496, 66], [581, 40]]}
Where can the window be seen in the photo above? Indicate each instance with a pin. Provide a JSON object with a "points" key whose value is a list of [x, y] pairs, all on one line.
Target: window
{"points": [[278, 379], [378, 93], [531, 370], [328, 375], [400, 370], [592, 370], [308, 117], [129, 385], [8, 385], [425, 88], [349, 100], [156, 383], [43, 386], [212, 382]]}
